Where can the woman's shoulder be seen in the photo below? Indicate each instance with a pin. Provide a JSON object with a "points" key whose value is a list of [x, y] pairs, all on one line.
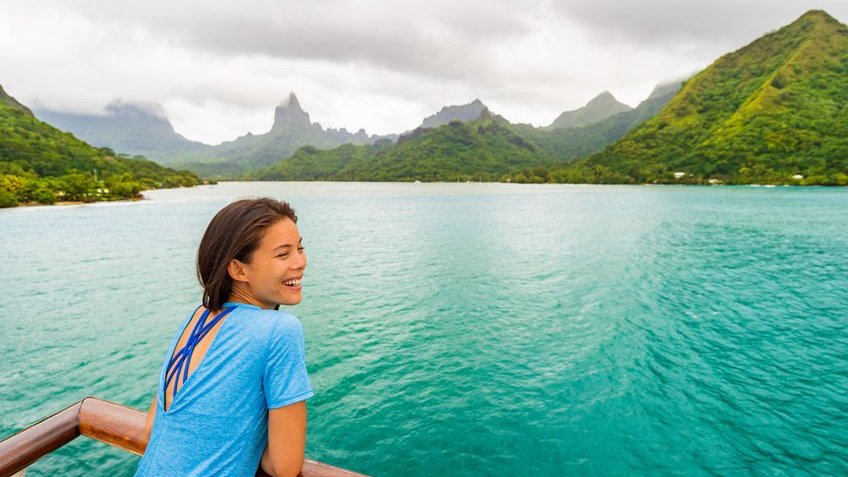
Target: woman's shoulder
{"points": [[285, 323], [275, 322], [282, 332], [271, 316]]}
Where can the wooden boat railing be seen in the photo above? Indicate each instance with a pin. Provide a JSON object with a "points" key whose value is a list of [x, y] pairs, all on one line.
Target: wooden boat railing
{"points": [[107, 422]]}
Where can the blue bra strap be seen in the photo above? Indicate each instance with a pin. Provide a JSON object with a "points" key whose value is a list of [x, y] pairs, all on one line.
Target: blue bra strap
{"points": [[178, 365]]}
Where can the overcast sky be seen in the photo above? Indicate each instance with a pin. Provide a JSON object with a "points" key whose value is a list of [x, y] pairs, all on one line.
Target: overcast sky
{"points": [[219, 67]]}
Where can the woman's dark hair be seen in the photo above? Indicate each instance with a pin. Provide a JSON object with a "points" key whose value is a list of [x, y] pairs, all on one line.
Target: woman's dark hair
{"points": [[234, 233]]}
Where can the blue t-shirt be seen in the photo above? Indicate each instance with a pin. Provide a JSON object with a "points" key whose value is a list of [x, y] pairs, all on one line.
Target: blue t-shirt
{"points": [[217, 423]]}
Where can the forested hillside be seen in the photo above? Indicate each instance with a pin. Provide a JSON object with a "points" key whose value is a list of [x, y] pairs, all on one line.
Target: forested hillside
{"points": [[775, 111], [39, 163]]}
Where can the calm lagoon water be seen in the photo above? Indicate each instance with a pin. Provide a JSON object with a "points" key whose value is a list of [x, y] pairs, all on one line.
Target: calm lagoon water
{"points": [[474, 329]]}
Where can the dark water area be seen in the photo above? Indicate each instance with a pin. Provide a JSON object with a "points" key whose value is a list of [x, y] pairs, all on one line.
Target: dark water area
{"points": [[474, 329]]}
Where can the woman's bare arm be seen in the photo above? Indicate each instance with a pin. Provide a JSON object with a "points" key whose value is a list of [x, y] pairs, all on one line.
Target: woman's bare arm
{"points": [[286, 440], [151, 415]]}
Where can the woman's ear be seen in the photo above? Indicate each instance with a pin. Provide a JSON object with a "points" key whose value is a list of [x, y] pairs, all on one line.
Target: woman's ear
{"points": [[237, 271]]}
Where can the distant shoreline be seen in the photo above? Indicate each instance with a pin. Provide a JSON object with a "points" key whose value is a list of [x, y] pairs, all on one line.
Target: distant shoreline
{"points": [[649, 184], [67, 202], [646, 184]]}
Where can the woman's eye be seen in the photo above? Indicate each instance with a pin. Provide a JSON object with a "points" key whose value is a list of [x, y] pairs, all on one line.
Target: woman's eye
{"points": [[286, 254]]}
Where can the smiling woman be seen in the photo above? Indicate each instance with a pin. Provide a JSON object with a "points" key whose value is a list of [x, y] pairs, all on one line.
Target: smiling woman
{"points": [[232, 388]]}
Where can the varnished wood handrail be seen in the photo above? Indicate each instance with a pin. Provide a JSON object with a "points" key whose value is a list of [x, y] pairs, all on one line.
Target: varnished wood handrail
{"points": [[107, 422], [20, 450], [113, 424]]}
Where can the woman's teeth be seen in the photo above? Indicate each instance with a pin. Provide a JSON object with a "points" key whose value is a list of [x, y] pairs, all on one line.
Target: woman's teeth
{"points": [[292, 283]]}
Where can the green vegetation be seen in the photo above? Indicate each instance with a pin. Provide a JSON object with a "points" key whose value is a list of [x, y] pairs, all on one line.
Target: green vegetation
{"points": [[488, 148], [39, 163], [773, 112], [483, 149]]}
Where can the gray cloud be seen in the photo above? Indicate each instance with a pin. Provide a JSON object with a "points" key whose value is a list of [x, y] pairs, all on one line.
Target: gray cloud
{"points": [[219, 67], [441, 38], [663, 22]]}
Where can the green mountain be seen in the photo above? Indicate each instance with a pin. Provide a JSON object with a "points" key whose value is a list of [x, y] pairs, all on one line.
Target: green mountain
{"points": [[292, 129], [775, 111], [599, 108], [144, 129], [569, 144], [137, 129], [462, 112], [486, 148], [482, 149], [39, 163]]}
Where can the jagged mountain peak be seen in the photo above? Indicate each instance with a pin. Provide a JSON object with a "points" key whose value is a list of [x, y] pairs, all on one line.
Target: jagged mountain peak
{"points": [[605, 98], [291, 102], [460, 112], [814, 24], [596, 110], [818, 16], [289, 114]]}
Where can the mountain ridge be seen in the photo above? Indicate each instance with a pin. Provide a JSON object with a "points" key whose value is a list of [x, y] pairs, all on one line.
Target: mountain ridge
{"points": [[134, 128], [486, 148], [773, 111], [596, 110], [292, 128], [137, 128], [458, 112]]}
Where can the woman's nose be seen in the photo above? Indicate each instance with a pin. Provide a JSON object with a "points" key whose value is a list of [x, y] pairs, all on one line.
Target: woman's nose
{"points": [[300, 261]]}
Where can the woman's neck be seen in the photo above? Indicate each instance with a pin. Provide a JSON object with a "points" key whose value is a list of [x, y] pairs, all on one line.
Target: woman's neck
{"points": [[242, 296]]}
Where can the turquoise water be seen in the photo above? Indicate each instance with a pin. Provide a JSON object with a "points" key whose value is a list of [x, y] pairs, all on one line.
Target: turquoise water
{"points": [[474, 329]]}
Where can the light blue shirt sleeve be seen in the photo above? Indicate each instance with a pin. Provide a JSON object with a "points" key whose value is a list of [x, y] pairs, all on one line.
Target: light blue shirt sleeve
{"points": [[286, 381]]}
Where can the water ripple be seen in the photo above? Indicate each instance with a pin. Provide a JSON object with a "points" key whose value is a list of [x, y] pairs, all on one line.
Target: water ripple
{"points": [[476, 329]]}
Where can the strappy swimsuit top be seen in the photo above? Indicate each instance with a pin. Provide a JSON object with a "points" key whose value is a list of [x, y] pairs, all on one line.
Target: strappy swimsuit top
{"points": [[177, 370]]}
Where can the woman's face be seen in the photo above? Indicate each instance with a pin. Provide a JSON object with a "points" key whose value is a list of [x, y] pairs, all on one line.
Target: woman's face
{"points": [[274, 273]]}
